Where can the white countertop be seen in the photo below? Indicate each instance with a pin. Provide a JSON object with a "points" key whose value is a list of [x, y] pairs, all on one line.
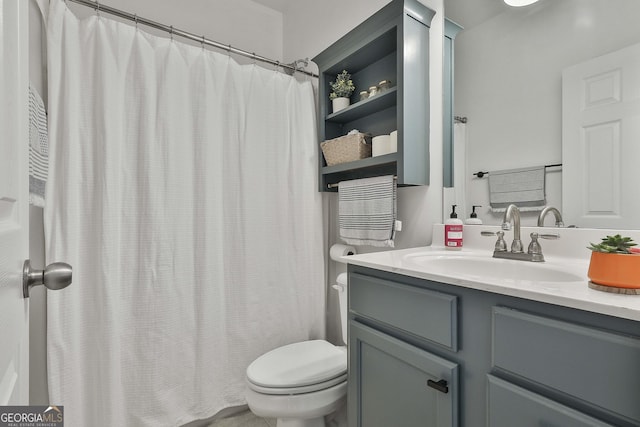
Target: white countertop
{"points": [[568, 293]]}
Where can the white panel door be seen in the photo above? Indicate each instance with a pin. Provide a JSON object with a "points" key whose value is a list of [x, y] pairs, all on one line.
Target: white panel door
{"points": [[14, 201], [601, 141]]}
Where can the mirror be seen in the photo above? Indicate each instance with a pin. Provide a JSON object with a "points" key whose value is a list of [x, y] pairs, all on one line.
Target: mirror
{"points": [[508, 83]]}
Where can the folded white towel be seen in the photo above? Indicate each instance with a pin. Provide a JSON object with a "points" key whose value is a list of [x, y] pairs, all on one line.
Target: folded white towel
{"points": [[524, 188], [38, 149], [367, 211]]}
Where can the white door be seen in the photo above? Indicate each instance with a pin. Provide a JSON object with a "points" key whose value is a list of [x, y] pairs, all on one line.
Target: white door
{"points": [[601, 141], [14, 201]]}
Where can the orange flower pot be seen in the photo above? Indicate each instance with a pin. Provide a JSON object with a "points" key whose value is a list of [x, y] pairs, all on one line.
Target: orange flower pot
{"points": [[618, 270]]}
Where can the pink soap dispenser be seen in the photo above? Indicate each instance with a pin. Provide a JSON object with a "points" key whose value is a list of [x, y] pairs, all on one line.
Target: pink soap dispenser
{"points": [[453, 231]]}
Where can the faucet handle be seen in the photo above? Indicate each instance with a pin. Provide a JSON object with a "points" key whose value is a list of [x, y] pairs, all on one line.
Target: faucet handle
{"points": [[535, 250], [534, 246], [501, 245]]}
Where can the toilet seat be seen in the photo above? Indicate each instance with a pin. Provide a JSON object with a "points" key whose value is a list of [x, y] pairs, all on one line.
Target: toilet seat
{"points": [[298, 390], [301, 367]]}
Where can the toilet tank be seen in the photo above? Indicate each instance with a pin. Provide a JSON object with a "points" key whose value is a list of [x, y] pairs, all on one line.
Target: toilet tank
{"points": [[341, 287]]}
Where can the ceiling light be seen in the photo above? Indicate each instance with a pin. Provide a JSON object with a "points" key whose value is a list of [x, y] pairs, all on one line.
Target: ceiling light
{"points": [[518, 3]]}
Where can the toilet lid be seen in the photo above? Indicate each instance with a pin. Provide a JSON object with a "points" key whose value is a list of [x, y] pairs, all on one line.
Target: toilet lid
{"points": [[299, 364]]}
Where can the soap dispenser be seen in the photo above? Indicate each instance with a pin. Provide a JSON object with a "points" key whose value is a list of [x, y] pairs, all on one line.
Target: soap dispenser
{"points": [[473, 218], [453, 231]]}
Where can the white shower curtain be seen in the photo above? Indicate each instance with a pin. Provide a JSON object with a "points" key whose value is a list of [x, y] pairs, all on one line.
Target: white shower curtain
{"points": [[182, 189]]}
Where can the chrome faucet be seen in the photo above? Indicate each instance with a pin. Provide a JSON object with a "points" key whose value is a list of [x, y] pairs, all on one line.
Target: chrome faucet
{"points": [[555, 213], [513, 214], [534, 251]]}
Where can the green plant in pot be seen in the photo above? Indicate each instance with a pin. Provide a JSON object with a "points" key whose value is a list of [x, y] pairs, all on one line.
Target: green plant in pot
{"points": [[615, 262], [341, 89], [614, 245]]}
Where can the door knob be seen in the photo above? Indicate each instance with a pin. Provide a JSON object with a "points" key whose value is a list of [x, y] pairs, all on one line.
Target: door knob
{"points": [[55, 276]]}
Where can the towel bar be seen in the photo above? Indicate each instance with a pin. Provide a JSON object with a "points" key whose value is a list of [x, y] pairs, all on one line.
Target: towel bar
{"points": [[481, 174]]}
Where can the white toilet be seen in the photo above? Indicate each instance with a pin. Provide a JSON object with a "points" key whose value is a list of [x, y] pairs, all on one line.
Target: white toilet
{"points": [[300, 383]]}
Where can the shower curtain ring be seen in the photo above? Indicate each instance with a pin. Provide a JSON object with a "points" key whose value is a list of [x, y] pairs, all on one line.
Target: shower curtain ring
{"points": [[98, 8], [202, 42], [171, 32], [135, 19]]}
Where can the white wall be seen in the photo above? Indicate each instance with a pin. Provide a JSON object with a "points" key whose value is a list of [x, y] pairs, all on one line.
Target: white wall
{"points": [[244, 24], [508, 83]]}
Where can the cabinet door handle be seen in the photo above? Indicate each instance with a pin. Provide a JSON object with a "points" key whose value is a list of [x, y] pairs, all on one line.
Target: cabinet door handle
{"points": [[441, 385]]}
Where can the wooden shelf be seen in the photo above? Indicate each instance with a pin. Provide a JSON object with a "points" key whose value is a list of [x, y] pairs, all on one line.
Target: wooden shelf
{"points": [[365, 107], [365, 168], [364, 163]]}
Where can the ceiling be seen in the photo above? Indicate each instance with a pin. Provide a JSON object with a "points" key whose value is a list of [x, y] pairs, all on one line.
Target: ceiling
{"points": [[279, 5], [467, 13]]}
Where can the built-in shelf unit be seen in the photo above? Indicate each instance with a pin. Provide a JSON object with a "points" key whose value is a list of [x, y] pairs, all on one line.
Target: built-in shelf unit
{"points": [[393, 44]]}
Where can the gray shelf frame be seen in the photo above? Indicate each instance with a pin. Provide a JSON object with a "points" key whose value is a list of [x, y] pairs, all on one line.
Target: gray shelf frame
{"points": [[373, 51]]}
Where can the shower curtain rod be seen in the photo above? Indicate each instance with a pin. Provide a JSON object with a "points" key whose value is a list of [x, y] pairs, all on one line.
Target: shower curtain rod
{"points": [[292, 67]]}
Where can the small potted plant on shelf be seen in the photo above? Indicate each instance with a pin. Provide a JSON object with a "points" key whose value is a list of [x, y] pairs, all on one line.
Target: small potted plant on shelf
{"points": [[341, 90], [615, 262]]}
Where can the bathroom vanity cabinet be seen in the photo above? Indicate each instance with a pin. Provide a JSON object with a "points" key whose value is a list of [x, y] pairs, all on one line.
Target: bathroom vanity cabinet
{"points": [[393, 44], [432, 354], [388, 373]]}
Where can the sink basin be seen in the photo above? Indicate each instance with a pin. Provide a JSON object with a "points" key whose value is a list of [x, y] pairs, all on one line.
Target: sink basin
{"points": [[485, 267]]}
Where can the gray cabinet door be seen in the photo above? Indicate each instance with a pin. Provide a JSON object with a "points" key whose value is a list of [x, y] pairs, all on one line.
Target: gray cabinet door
{"points": [[596, 366], [391, 383], [425, 314], [510, 405]]}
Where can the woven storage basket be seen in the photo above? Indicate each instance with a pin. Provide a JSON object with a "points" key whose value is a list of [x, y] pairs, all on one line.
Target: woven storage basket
{"points": [[346, 148]]}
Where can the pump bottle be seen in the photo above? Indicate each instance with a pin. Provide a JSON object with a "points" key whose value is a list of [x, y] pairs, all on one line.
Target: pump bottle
{"points": [[473, 218], [453, 231]]}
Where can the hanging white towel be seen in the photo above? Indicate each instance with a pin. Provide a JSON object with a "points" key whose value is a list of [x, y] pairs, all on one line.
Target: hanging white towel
{"points": [[38, 149], [524, 188], [367, 211]]}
